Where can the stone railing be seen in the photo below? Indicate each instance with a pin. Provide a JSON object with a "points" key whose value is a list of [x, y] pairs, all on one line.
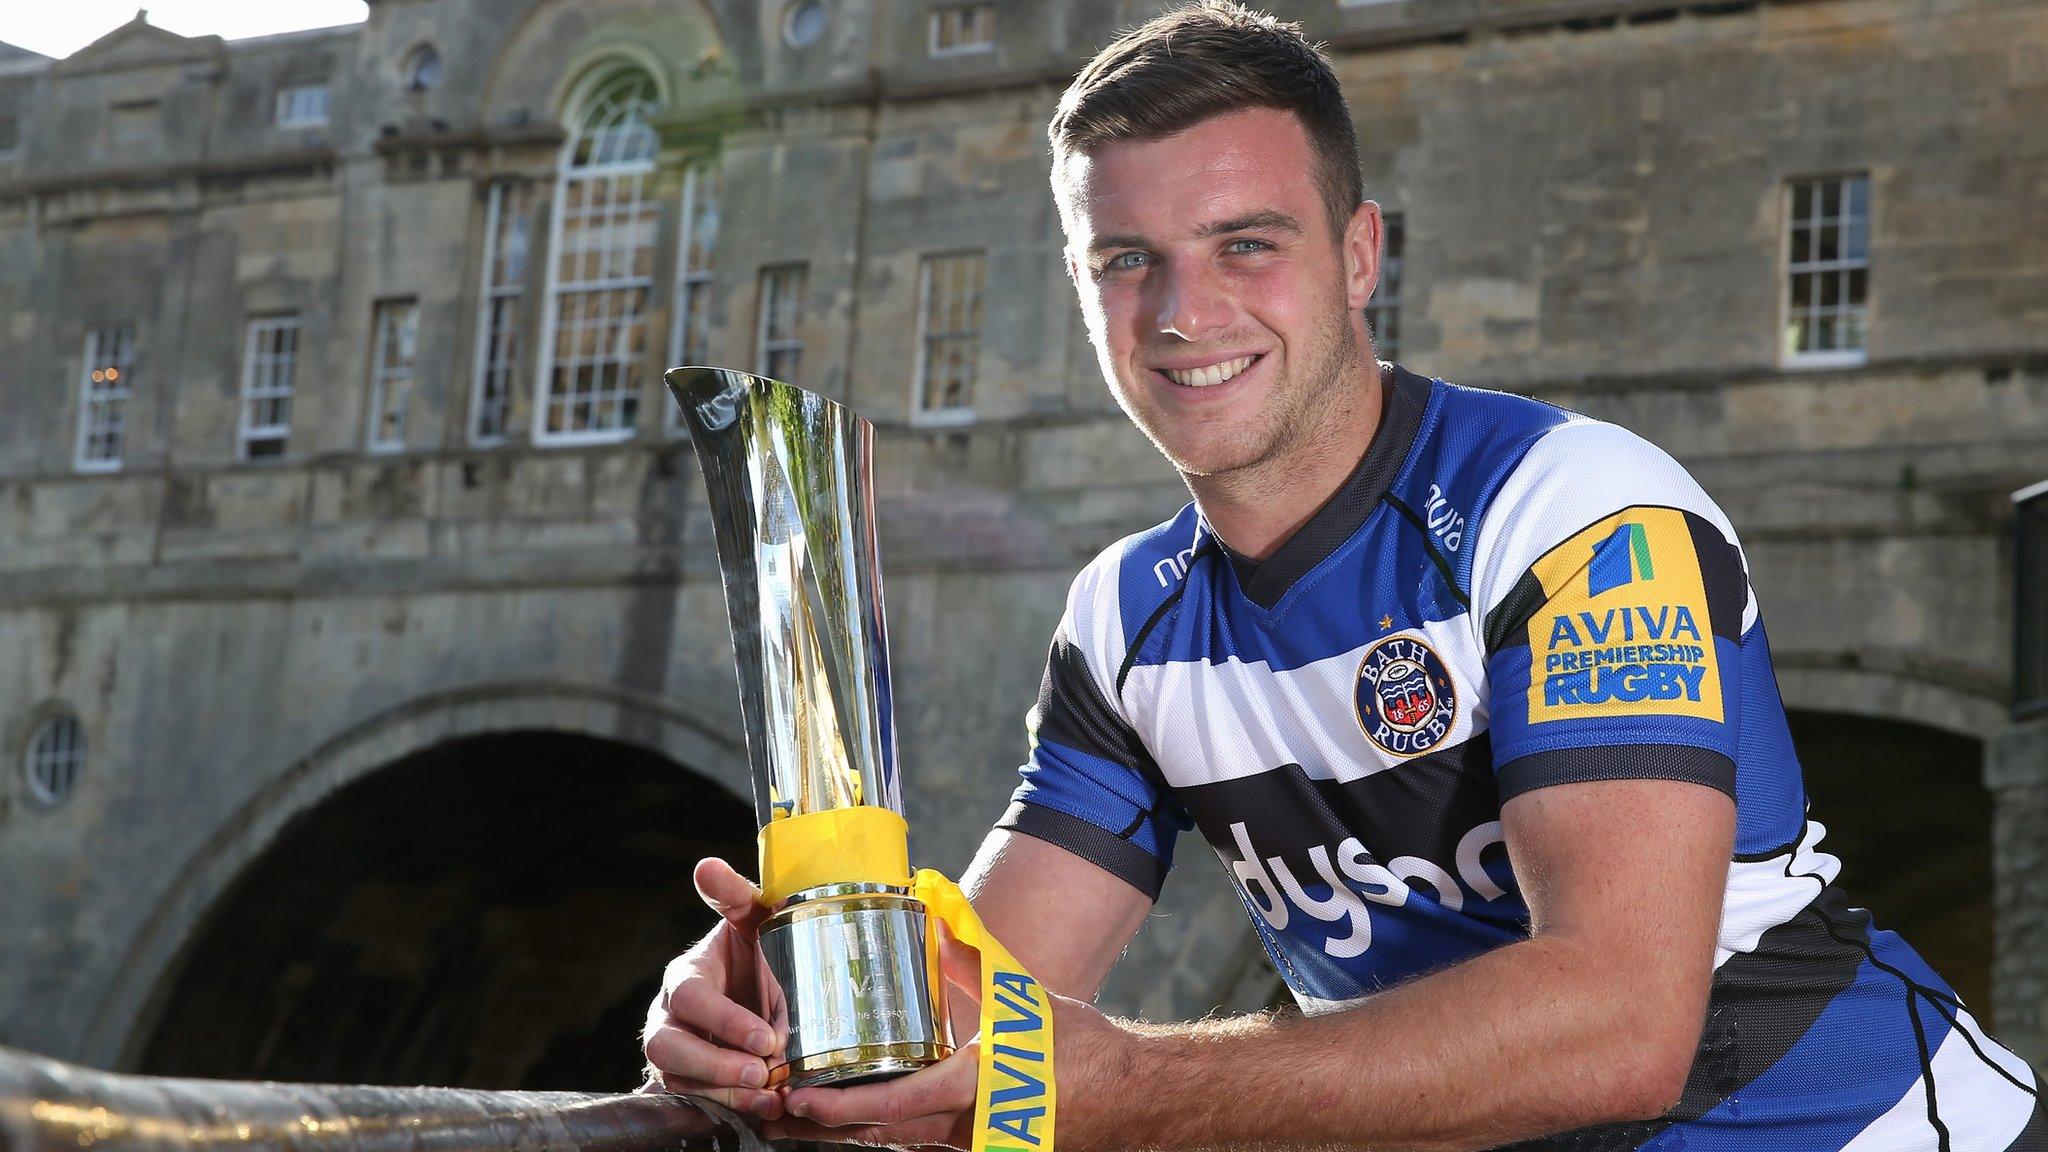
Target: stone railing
{"points": [[46, 1105]]}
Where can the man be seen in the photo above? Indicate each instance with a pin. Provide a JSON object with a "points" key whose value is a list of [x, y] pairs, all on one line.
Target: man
{"points": [[1469, 693]]}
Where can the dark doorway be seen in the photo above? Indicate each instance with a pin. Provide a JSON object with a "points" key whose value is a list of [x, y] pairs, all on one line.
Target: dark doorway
{"points": [[1908, 814], [491, 913]]}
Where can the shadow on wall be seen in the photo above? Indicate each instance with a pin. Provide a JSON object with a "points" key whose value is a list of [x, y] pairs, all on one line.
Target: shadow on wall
{"points": [[491, 913], [1908, 814]]}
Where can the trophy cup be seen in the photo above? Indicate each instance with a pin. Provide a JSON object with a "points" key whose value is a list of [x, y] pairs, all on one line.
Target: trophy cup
{"points": [[852, 983]]}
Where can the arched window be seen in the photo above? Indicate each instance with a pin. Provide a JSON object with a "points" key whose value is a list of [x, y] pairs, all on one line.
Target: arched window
{"points": [[55, 754], [601, 276]]}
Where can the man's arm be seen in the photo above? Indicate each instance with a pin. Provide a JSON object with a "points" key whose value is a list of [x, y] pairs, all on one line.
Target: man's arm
{"points": [[1594, 1019], [1066, 920]]}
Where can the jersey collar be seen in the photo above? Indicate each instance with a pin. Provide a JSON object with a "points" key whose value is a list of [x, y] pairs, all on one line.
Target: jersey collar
{"points": [[1264, 582]]}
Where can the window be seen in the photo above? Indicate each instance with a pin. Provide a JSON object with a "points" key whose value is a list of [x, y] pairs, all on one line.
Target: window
{"points": [[1827, 270], [1383, 311], [602, 268], [803, 23], [268, 363], [302, 106], [780, 347], [422, 69], [56, 752], [949, 289], [504, 289], [393, 356], [10, 134], [687, 342], [963, 31], [106, 375], [135, 124]]}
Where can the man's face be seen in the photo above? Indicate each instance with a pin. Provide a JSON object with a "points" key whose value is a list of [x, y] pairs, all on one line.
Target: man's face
{"points": [[1225, 310]]}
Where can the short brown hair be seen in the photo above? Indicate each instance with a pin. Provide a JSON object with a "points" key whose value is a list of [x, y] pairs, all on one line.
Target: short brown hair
{"points": [[1201, 60]]}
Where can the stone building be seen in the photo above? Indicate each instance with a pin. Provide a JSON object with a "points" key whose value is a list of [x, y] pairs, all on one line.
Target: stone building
{"points": [[364, 688]]}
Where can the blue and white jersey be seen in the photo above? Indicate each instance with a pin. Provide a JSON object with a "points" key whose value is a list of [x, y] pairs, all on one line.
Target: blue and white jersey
{"points": [[1503, 596]]}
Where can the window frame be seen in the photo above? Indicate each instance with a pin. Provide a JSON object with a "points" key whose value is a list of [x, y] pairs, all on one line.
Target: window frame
{"points": [[1787, 189], [691, 280], [936, 18], [766, 346], [92, 395], [34, 757], [645, 169], [920, 413], [490, 295], [382, 331], [283, 115], [1393, 258], [246, 433]]}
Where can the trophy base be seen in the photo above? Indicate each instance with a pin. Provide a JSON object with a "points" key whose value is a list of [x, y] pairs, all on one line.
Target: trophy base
{"points": [[850, 1066], [853, 991]]}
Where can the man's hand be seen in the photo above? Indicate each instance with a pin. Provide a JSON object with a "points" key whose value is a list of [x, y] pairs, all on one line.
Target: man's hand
{"points": [[935, 1106], [707, 1032]]}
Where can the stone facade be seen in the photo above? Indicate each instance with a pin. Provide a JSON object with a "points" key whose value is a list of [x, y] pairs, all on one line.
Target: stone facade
{"points": [[1593, 194]]}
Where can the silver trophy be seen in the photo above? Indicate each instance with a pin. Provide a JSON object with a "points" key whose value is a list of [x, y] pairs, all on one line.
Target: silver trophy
{"points": [[851, 981]]}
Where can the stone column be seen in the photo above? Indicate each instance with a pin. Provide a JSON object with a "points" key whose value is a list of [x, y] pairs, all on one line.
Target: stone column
{"points": [[2016, 772]]}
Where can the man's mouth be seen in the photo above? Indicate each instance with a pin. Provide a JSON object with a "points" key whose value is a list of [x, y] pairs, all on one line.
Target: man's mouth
{"points": [[1208, 375]]}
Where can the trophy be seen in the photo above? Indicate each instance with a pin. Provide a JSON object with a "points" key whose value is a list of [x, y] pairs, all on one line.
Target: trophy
{"points": [[852, 983]]}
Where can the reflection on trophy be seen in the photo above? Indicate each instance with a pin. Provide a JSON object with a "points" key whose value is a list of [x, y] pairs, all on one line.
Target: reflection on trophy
{"points": [[852, 982]]}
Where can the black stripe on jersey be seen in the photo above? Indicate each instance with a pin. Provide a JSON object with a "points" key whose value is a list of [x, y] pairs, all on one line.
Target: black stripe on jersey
{"points": [[1420, 807], [1073, 712], [1617, 762], [1436, 557], [1762, 1003], [1208, 546], [1506, 623], [1106, 850], [1721, 575]]}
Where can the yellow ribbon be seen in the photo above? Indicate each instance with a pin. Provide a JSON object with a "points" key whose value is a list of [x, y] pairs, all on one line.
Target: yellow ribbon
{"points": [[1014, 1096]]}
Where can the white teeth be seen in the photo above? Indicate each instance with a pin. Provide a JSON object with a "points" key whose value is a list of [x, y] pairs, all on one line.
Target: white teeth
{"points": [[1213, 374]]}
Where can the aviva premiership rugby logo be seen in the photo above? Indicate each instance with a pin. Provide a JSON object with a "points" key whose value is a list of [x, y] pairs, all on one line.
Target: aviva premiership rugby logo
{"points": [[1405, 700]]}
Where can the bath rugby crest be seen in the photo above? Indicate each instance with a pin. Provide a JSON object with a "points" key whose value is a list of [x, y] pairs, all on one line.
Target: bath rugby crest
{"points": [[1503, 597], [1405, 699]]}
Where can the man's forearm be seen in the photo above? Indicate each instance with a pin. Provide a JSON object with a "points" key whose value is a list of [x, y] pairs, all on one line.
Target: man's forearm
{"points": [[1529, 1039]]}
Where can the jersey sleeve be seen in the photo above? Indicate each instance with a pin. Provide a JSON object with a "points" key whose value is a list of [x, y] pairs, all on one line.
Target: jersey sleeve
{"points": [[1090, 786], [1615, 599]]}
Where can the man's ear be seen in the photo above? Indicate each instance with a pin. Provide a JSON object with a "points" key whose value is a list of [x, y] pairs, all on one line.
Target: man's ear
{"points": [[1364, 245]]}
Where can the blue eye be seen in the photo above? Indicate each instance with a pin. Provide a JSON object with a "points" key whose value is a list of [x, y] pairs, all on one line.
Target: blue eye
{"points": [[1125, 260], [1249, 246]]}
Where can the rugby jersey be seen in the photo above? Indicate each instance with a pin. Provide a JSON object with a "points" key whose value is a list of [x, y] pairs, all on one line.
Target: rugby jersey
{"points": [[1502, 596]]}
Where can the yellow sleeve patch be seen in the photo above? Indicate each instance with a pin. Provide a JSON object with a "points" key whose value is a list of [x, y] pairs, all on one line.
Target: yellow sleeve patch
{"points": [[1623, 630]]}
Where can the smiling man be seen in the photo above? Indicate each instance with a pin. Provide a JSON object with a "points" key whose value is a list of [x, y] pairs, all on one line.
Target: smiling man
{"points": [[1469, 693]]}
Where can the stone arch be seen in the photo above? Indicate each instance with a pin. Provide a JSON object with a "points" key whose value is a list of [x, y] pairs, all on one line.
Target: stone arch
{"points": [[557, 48], [1890, 695], [133, 997]]}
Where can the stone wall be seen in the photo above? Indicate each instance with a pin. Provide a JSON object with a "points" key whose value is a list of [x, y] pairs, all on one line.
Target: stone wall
{"points": [[1593, 197]]}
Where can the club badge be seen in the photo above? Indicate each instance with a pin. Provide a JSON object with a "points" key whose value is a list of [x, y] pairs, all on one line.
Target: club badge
{"points": [[1406, 703]]}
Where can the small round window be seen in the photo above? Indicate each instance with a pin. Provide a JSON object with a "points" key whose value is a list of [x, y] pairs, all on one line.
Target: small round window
{"points": [[803, 23], [56, 753], [422, 69]]}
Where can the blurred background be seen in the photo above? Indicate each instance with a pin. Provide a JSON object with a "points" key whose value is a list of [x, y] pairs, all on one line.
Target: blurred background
{"points": [[365, 692]]}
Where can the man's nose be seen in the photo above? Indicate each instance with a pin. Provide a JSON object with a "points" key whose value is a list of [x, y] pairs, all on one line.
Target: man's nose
{"points": [[1191, 304]]}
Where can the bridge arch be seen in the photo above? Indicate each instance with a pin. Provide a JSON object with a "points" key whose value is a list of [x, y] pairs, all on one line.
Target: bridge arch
{"points": [[657, 735]]}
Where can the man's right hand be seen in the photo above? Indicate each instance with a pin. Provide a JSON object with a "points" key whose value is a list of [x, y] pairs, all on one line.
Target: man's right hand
{"points": [[705, 1033]]}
